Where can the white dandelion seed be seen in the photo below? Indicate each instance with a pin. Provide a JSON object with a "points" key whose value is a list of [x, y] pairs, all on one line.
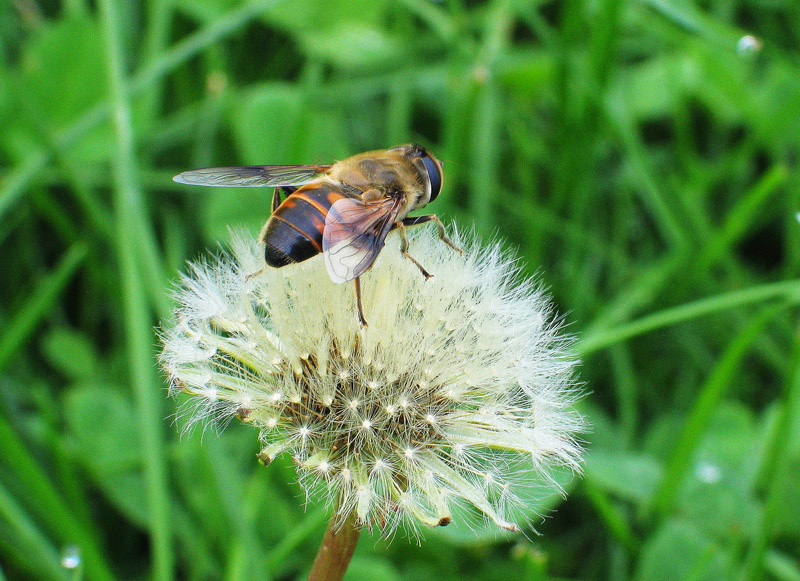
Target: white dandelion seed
{"points": [[459, 393]]}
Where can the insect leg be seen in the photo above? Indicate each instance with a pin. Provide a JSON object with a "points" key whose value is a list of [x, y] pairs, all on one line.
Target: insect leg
{"points": [[276, 195], [404, 249], [361, 318], [442, 234], [253, 274]]}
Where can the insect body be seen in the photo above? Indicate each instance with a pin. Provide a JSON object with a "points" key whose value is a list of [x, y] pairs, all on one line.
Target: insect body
{"points": [[344, 210]]}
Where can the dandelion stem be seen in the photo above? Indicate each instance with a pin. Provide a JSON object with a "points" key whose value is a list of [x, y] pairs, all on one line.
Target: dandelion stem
{"points": [[336, 550]]}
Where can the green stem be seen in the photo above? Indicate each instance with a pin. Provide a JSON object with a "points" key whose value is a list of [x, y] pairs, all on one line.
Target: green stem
{"points": [[336, 550], [129, 214]]}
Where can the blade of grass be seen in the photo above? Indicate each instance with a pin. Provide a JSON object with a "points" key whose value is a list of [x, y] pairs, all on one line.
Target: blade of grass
{"points": [[486, 121], [653, 196], [48, 505], [742, 216], [774, 472], [159, 17], [438, 20], [705, 403], [625, 390], [62, 468], [733, 228], [32, 550], [19, 178], [37, 120], [398, 114], [310, 525], [594, 341], [195, 548], [686, 16], [781, 566], [615, 521], [136, 315], [17, 331], [29, 540]]}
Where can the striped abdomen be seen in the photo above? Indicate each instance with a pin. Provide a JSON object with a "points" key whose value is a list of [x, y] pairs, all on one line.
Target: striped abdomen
{"points": [[294, 231]]}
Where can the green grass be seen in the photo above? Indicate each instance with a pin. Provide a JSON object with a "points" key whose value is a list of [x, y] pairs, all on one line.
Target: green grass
{"points": [[638, 156]]}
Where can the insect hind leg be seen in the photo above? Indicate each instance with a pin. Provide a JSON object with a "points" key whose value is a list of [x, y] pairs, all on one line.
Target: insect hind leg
{"points": [[277, 198], [360, 305]]}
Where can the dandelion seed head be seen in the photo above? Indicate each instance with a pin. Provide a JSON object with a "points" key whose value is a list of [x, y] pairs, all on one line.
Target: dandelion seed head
{"points": [[458, 393]]}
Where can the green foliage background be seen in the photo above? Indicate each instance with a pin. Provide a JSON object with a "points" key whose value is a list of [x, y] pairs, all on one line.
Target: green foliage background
{"points": [[642, 156]]}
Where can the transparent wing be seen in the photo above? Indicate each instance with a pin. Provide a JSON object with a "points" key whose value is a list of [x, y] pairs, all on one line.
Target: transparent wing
{"points": [[250, 176], [354, 234]]}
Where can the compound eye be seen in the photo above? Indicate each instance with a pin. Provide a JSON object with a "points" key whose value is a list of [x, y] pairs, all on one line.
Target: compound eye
{"points": [[434, 176]]}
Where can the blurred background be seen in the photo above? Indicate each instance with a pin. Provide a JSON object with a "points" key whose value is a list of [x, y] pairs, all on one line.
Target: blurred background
{"points": [[641, 157]]}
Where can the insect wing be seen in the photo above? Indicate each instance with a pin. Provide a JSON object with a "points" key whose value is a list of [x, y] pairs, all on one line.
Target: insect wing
{"points": [[354, 234], [251, 176]]}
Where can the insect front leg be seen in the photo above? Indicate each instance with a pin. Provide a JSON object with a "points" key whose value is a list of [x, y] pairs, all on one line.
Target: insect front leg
{"points": [[404, 249], [416, 220]]}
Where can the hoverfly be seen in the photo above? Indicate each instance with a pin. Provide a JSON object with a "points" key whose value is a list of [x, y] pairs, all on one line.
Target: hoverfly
{"points": [[344, 210]]}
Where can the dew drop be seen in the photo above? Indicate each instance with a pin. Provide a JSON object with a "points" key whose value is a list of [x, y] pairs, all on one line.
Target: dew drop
{"points": [[71, 557], [748, 45], [708, 473]]}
